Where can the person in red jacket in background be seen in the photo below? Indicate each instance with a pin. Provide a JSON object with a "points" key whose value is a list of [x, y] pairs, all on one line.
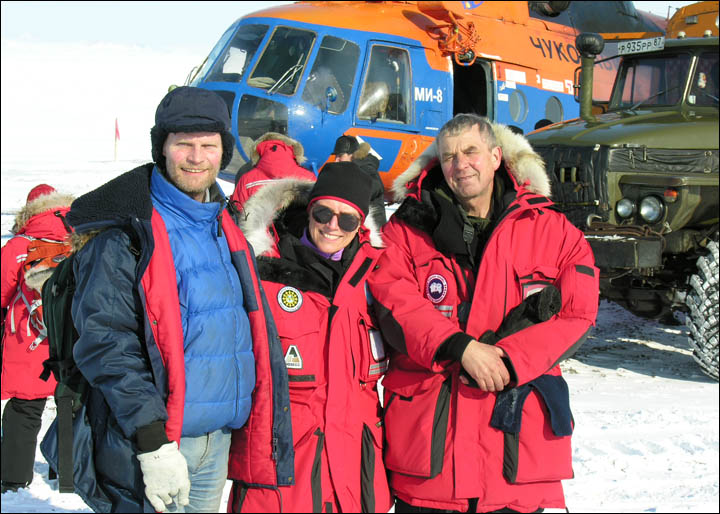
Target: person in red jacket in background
{"points": [[477, 418], [22, 359], [314, 266], [274, 156]]}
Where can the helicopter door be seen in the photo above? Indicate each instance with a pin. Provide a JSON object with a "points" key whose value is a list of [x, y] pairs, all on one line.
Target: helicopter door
{"points": [[473, 89], [384, 114]]}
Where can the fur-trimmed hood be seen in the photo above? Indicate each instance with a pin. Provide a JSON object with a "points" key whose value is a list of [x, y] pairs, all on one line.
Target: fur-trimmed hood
{"points": [[298, 149], [519, 159], [362, 151], [36, 219], [42, 204], [266, 206]]}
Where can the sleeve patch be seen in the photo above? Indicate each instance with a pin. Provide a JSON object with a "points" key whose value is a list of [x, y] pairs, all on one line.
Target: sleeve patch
{"points": [[586, 270]]}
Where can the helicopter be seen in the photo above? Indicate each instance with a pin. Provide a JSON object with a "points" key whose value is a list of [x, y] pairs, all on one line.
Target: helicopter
{"points": [[392, 73]]}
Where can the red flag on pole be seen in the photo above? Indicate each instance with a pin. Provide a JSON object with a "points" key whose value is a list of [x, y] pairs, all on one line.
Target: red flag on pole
{"points": [[117, 137]]}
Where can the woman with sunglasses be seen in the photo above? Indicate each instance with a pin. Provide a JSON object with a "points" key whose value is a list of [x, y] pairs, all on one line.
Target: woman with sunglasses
{"points": [[316, 245]]}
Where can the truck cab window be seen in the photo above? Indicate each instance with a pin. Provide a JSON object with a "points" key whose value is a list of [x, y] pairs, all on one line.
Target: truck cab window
{"points": [[704, 84], [651, 81]]}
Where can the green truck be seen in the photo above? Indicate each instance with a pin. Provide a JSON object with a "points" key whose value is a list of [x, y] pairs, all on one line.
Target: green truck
{"points": [[639, 175]]}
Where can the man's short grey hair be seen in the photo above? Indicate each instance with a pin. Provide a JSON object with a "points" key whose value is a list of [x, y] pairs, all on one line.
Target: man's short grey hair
{"points": [[463, 122]]}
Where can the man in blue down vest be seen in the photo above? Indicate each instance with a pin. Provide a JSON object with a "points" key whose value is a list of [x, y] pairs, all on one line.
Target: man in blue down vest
{"points": [[175, 337]]}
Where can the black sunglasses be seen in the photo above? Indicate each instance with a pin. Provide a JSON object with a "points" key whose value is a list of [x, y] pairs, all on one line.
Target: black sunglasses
{"points": [[347, 222]]}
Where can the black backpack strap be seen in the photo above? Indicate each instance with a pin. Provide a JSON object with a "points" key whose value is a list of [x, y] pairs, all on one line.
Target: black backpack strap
{"points": [[48, 367], [65, 442], [57, 295], [64, 220]]}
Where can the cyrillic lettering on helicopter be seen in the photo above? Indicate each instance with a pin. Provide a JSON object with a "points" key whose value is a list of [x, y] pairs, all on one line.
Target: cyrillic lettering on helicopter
{"points": [[427, 94]]}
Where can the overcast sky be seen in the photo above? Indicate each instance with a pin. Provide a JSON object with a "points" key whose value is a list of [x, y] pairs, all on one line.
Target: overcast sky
{"points": [[157, 25]]}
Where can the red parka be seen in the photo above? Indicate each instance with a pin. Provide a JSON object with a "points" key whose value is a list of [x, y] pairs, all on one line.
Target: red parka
{"points": [[275, 157], [334, 356], [442, 447], [21, 367]]}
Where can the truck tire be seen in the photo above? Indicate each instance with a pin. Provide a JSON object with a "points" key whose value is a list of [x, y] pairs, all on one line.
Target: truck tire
{"points": [[702, 319]]}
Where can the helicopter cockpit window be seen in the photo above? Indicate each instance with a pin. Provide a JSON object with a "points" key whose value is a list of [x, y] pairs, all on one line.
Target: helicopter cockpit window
{"points": [[283, 61], [704, 84], [196, 75], [331, 79], [651, 81], [232, 64], [386, 92]]}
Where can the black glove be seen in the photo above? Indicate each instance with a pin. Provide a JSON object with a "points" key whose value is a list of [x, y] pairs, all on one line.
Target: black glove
{"points": [[534, 309]]}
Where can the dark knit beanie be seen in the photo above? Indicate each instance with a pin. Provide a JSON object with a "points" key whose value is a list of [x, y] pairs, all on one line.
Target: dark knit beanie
{"points": [[345, 144], [191, 109], [345, 182]]}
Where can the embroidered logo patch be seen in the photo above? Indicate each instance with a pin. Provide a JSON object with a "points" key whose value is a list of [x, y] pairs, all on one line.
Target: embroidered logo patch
{"points": [[293, 360], [290, 299], [436, 288]]}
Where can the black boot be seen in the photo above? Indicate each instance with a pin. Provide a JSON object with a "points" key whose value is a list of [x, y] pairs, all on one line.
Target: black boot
{"points": [[11, 487]]}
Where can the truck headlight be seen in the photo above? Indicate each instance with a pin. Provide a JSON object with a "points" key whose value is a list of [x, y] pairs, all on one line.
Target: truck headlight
{"points": [[652, 209], [625, 208]]}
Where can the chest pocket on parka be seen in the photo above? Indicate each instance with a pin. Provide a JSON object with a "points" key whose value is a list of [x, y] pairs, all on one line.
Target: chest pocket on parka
{"points": [[374, 360], [298, 323], [533, 279]]}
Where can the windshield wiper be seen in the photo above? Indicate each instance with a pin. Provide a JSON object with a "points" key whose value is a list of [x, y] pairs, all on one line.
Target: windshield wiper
{"points": [[193, 72], [287, 76], [653, 96], [713, 97]]}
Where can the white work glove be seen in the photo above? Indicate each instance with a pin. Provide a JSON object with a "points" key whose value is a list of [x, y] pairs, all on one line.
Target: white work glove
{"points": [[165, 474]]}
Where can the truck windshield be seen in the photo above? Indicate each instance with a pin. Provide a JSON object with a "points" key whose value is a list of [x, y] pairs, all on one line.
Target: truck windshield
{"points": [[651, 81], [281, 65], [231, 66], [704, 84]]}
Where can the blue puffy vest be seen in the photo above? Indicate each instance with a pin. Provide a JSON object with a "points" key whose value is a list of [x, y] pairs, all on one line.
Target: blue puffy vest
{"points": [[219, 362]]}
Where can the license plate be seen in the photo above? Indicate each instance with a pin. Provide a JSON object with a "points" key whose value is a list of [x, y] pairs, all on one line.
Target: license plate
{"points": [[641, 45]]}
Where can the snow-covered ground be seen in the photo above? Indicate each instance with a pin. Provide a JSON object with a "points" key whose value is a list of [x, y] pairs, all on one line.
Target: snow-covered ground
{"points": [[646, 436], [647, 420]]}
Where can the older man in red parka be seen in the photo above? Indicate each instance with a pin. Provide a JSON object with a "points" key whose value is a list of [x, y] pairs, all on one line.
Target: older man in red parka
{"points": [[475, 422]]}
